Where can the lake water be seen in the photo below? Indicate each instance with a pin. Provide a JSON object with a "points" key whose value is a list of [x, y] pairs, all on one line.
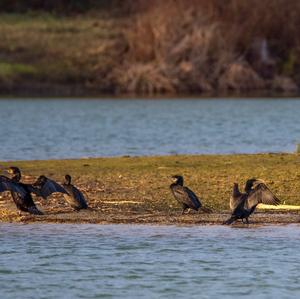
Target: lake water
{"points": [[122, 261], [64, 128]]}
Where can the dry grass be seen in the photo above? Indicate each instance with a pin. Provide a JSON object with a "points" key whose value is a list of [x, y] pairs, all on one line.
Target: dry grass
{"points": [[210, 36]]}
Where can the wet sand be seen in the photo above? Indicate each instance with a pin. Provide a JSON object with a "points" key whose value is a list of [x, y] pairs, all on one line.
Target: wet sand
{"points": [[94, 216]]}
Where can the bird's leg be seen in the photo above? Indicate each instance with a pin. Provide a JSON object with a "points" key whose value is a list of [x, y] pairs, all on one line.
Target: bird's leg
{"points": [[184, 207], [243, 220], [247, 220]]}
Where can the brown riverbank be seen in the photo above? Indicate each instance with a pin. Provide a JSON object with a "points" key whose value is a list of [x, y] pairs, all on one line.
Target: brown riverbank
{"points": [[119, 217]]}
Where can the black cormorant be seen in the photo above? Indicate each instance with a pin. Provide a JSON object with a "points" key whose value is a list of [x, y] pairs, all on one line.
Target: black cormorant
{"points": [[6, 184], [185, 196], [247, 202], [20, 192], [74, 197], [45, 187], [235, 200]]}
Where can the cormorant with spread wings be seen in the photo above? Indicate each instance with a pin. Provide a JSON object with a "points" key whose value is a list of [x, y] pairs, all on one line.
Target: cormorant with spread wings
{"points": [[244, 204], [20, 192]]}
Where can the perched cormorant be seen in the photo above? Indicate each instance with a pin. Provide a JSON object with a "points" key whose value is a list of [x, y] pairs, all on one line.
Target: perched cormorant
{"points": [[6, 184], [235, 200], [45, 187], [185, 196], [20, 192], [246, 203], [74, 197]]}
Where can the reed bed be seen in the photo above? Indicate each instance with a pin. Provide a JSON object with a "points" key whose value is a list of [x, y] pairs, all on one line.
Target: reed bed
{"points": [[203, 45]]}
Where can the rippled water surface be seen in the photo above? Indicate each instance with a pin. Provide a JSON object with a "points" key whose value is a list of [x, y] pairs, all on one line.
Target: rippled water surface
{"points": [[43, 129], [121, 261]]}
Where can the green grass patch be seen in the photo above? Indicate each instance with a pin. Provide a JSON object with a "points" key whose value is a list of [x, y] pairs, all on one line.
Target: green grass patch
{"points": [[61, 50], [14, 69]]}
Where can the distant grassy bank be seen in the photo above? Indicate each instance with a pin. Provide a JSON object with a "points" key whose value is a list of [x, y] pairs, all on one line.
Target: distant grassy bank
{"points": [[137, 189], [150, 47], [48, 54]]}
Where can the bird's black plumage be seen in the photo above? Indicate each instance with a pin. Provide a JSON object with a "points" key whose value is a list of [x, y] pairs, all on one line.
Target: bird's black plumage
{"points": [[185, 196], [74, 196], [247, 202], [20, 192], [44, 187], [235, 200], [6, 184]]}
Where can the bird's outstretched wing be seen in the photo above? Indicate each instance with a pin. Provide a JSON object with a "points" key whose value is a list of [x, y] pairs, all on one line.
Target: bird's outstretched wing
{"points": [[261, 194], [46, 187], [8, 185], [186, 196]]}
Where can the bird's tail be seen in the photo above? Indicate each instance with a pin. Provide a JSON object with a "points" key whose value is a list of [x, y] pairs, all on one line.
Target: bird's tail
{"points": [[230, 220], [35, 211], [205, 210]]}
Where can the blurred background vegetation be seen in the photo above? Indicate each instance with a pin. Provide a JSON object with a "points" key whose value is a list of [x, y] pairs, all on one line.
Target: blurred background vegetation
{"points": [[57, 6], [149, 47]]}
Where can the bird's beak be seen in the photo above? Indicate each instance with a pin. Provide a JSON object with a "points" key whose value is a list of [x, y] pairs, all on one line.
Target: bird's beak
{"points": [[9, 171]]}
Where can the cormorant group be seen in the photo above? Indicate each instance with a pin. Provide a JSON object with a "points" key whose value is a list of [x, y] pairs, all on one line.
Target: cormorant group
{"points": [[42, 187], [242, 205]]}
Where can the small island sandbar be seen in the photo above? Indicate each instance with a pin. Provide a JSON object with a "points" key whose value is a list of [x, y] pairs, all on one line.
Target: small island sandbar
{"points": [[135, 190]]}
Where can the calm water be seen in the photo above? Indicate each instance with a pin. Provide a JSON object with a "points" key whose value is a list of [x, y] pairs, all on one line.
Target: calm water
{"points": [[94, 261], [40, 129]]}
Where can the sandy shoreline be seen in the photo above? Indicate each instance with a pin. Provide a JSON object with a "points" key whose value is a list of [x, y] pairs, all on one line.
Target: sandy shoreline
{"points": [[98, 217]]}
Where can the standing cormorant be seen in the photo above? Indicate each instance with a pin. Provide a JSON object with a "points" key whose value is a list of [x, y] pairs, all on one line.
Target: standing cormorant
{"points": [[74, 197], [20, 192], [235, 200], [247, 202], [185, 196], [6, 184]]}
